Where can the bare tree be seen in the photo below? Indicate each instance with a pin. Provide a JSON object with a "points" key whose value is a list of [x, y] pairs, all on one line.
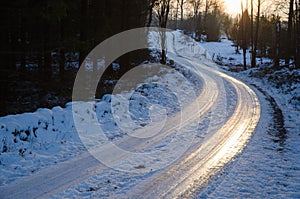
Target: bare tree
{"points": [[162, 8], [254, 50], [196, 4], [243, 34], [251, 36], [176, 12], [208, 5], [181, 10], [151, 6]]}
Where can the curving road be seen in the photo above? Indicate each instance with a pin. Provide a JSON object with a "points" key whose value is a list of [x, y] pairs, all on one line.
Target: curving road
{"points": [[187, 175], [226, 136], [184, 177]]}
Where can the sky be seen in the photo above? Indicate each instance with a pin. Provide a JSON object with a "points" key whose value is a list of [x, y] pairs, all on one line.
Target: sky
{"points": [[233, 6], [267, 6]]}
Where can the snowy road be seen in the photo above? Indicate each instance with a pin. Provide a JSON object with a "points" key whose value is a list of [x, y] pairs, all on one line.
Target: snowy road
{"points": [[186, 175], [226, 135]]}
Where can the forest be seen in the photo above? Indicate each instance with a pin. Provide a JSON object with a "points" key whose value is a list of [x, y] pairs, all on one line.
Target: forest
{"points": [[43, 42]]}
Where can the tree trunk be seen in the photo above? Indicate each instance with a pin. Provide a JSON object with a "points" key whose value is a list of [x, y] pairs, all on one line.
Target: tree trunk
{"points": [[289, 32], [245, 58], [276, 59], [152, 2], [176, 14], [163, 19], [297, 57], [46, 52], [181, 11], [125, 59], [205, 15], [83, 36], [256, 33], [252, 39], [163, 57], [62, 60]]}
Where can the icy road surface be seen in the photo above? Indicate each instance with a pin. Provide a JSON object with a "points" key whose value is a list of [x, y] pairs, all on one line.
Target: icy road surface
{"points": [[221, 119]]}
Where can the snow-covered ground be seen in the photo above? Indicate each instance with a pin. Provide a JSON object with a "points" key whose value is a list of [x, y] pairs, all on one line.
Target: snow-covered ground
{"points": [[269, 165], [32, 141], [224, 54]]}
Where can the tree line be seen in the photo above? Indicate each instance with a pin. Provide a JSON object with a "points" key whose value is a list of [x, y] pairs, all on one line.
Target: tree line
{"points": [[33, 29], [272, 32], [40, 37], [268, 34], [198, 17]]}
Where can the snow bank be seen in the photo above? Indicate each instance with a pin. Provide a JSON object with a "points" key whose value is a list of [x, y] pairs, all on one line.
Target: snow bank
{"points": [[31, 141]]}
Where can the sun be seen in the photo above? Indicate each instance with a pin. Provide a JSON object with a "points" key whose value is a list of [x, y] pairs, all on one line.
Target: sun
{"points": [[233, 7]]}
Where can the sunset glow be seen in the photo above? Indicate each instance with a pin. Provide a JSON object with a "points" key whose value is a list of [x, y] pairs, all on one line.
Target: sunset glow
{"points": [[234, 6]]}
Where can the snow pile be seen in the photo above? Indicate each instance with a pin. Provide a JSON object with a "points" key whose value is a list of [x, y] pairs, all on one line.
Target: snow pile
{"points": [[31, 141]]}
